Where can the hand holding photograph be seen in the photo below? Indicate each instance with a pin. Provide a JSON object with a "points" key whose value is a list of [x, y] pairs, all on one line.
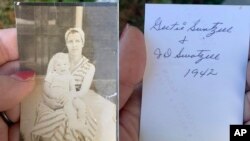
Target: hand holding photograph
{"points": [[76, 78]]}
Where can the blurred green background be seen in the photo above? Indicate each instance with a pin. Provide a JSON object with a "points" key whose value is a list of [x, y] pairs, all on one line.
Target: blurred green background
{"points": [[131, 11], [7, 15]]}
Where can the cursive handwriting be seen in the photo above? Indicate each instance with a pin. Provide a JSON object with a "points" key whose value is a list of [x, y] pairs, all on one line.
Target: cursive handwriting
{"points": [[200, 55], [215, 28], [158, 53], [174, 26]]}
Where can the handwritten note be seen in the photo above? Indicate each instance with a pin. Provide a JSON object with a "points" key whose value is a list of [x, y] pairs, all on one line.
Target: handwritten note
{"points": [[194, 82]]}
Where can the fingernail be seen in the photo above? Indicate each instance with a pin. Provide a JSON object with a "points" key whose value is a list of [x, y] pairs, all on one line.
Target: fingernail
{"points": [[124, 32], [24, 75]]}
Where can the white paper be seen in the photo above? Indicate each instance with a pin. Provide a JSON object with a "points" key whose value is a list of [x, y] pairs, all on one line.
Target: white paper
{"points": [[197, 97]]}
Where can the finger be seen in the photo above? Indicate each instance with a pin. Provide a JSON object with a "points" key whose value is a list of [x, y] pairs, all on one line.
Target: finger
{"points": [[3, 130], [247, 88], [13, 113], [14, 88], [132, 61], [61, 100], [247, 108], [130, 117], [249, 52], [247, 123], [9, 68], [248, 74], [8, 45], [13, 133], [58, 105]]}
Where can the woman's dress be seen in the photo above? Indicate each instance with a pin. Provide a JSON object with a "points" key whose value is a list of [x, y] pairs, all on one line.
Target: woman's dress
{"points": [[100, 121]]}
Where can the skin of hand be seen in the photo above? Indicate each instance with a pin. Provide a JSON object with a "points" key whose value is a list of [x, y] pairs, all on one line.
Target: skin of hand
{"points": [[14, 85], [64, 98], [53, 103], [132, 66]]}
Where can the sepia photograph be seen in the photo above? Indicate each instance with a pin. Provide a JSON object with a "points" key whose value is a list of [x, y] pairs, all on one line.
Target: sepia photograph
{"points": [[72, 47]]}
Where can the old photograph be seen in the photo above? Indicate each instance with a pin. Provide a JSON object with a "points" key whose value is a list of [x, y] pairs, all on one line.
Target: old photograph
{"points": [[73, 50]]}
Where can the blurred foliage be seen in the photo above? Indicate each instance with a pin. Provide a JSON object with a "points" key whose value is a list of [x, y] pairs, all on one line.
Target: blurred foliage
{"points": [[132, 11], [58, 0], [7, 15]]}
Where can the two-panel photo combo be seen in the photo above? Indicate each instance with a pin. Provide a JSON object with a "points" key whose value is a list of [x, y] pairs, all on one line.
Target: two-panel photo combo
{"points": [[110, 70]]}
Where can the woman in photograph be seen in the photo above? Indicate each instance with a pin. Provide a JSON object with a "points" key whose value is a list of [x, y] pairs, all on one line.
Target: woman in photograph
{"points": [[70, 110]]}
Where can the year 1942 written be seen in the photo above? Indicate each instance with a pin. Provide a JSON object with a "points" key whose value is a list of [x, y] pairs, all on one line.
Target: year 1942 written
{"points": [[200, 73]]}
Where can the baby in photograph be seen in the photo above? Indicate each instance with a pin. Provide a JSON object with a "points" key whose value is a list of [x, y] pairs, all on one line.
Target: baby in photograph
{"points": [[65, 105], [61, 89]]}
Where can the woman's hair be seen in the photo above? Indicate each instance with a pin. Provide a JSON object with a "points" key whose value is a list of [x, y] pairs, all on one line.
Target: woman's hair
{"points": [[75, 30]]}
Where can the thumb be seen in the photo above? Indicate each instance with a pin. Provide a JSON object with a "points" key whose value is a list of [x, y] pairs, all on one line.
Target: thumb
{"points": [[14, 88], [132, 62]]}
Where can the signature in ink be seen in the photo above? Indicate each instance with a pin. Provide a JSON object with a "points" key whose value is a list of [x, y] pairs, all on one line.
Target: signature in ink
{"points": [[215, 28], [158, 25]]}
